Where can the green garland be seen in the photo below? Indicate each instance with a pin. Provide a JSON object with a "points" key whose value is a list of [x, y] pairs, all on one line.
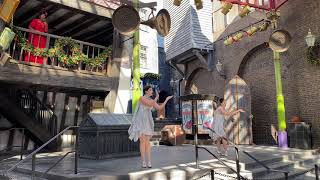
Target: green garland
{"points": [[151, 76], [57, 51], [313, 54]]}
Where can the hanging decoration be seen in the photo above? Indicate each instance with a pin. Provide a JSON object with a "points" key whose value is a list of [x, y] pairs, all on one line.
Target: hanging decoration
{"points": [[57, 51], [7, 9], [240, 34]]}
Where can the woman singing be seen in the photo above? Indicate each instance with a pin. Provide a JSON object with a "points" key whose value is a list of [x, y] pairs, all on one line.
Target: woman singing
{"points": [[38, 41], [142, 126]]}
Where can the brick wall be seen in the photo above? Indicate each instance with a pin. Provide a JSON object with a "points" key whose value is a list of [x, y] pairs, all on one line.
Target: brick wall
{"points": [[253, 62]]}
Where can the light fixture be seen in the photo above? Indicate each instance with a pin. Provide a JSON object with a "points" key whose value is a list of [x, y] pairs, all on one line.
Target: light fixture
{"points": [[310, 39], [219, 66], [177, 2], [264, 26], [198, 4], [245, 11], [252, 31], [228, 41], [238, 37], [226, 7]]}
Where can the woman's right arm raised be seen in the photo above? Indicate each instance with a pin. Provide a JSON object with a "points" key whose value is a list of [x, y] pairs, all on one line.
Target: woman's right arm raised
{"points": [[147, 102]]}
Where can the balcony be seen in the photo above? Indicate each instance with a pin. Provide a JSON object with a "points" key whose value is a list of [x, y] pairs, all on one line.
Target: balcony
{"points": [[52, 73]]}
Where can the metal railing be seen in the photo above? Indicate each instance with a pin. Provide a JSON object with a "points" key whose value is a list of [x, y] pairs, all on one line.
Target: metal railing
{"points": [[34, 108], [21, 145], [237, 171], [34, 153], [89, 49]]}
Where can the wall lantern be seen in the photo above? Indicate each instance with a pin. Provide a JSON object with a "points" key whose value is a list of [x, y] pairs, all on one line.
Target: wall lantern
{"points": [[310, 39]]}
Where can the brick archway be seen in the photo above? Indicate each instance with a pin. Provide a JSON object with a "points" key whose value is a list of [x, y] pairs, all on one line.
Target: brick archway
{"points": [[257, 70], [187, 89]]}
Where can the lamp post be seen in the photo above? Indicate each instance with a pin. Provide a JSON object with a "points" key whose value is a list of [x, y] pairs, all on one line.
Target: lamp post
{"points": [[310, 39]]}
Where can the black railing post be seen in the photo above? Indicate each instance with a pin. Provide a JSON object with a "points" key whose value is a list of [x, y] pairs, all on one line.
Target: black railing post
{"points": [[316, 170], [286, 175], [76, 155], [212, 174], [33, 166], [22, 145], [237, 163]]}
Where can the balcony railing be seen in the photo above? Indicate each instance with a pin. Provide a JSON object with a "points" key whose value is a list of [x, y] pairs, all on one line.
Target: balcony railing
{"points": [[89, 49]]}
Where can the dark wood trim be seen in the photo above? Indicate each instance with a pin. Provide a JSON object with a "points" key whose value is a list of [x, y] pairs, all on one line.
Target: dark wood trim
{"points": [[81, 27], [61, 19], [26, 17], [93, 33], [94, 10], [22, 3], [71, 25], [64, 113]]}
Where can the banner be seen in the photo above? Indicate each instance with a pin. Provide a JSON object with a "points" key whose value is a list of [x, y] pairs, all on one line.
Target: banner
{"points": [[205, 115], [187, 116]]}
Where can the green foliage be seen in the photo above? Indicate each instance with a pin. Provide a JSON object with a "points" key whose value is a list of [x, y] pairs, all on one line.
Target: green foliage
{"points": [[77, 56]]}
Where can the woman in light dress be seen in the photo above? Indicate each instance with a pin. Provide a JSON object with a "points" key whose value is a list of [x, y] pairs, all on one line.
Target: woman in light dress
{"points": [[218, 126], [142, 126]]}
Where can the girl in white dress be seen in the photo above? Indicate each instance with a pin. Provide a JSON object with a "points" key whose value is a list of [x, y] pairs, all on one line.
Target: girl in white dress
{"points": [[142, 126], [218, 126]]}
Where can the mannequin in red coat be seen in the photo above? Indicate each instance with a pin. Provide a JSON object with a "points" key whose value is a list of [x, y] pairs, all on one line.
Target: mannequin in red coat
{"points": [[36, 40]]}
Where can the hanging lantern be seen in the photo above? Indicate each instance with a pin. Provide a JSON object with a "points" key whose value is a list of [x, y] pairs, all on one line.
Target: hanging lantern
{"points": [[198, 4], [238, 37], [226, 8], [252, 31], [6, 37], [7, 9], [177, 2], [228, 41], [245, 11], [264, 26]]}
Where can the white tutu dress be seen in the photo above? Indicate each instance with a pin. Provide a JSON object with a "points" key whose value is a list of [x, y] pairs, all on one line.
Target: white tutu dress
{"points": [[218, 124], [142, 122]]}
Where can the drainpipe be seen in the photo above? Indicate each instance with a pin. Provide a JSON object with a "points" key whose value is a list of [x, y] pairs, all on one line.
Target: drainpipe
{"points": [[179, 93]]}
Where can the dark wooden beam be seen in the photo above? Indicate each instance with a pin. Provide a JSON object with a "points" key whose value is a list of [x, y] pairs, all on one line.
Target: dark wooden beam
{"points": [[50, 9], [71, 91], [93, 34], [81, 27], [69, 26], [22, 3], [85, 7], [100, 39], [61, 19], [26, 17]]}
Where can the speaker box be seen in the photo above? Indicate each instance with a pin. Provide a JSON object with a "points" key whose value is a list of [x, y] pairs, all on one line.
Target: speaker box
{"points": [[172, 135]]}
